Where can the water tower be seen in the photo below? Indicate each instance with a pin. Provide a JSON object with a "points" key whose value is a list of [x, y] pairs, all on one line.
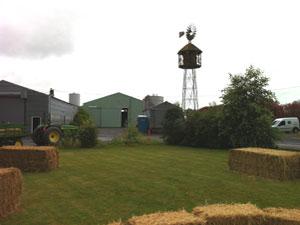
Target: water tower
{"points": [[189, 59]]}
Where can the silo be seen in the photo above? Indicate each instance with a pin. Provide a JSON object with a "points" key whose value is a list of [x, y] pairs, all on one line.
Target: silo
{"points": [[150, 101], [74, 99]]}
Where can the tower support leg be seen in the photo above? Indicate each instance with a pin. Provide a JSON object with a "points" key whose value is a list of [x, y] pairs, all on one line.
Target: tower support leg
{"points": [[189, 90]]}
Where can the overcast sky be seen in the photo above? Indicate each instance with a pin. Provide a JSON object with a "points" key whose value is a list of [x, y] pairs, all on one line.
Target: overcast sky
{"points": [[97, 48]]}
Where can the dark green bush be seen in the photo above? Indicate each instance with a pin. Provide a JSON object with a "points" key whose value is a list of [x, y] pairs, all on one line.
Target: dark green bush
{"points": [[81, 117], [88, 134], [173, 126], [202, 129]]}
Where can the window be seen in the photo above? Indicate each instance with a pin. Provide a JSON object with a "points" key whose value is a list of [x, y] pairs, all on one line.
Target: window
{"points": [[198, 59], [180, 60], [282, 123], [289, 122]]}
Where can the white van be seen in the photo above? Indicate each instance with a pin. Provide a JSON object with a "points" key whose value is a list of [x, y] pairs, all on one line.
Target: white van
{"points": [[289, 124]]}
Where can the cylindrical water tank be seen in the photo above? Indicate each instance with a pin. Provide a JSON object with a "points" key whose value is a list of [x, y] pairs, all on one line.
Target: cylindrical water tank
{"points": [[74, 99], [150, 101]]}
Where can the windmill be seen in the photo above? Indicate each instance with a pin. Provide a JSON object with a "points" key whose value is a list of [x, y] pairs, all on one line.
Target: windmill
{"points": [[189, 59]]}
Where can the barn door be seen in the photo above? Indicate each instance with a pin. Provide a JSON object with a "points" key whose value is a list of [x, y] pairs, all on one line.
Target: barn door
{"points": [[35, 121]]}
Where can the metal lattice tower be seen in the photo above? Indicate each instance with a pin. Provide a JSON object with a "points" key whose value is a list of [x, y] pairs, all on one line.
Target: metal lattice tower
{"points": [[189, 90], [189, 59]]}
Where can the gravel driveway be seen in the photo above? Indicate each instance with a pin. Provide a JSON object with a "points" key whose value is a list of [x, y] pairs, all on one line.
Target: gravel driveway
{"points": [[107, 134], [289, 141]]}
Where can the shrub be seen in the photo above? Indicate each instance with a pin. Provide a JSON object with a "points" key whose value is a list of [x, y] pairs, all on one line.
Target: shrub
{"points": [[131, 136], [88, 134], [173, 126], [202, 129], [68, 140], [81, 117]]}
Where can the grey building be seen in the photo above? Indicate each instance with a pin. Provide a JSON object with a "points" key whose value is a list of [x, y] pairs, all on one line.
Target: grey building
{"points": [[25, 106], [156, 115]]}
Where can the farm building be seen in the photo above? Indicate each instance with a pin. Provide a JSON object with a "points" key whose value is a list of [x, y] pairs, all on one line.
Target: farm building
{"points": [[25, 106], [116, 110], [155, 115]]}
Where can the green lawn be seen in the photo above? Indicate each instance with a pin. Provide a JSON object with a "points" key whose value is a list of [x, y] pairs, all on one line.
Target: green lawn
{"points": [[97, 186]]}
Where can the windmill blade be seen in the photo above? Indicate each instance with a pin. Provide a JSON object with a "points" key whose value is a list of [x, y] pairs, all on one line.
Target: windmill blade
{"points": [[181, 34], [191, 32]]}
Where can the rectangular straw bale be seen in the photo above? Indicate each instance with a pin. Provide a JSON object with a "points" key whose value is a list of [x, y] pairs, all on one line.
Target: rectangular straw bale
{"points": [[238, 214], [10, 190], [29, 158], [167, 218], [280, 216], [268, 163]]}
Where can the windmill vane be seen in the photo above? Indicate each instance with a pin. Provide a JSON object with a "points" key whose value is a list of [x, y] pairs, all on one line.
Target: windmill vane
{"points": [[190, 32]]}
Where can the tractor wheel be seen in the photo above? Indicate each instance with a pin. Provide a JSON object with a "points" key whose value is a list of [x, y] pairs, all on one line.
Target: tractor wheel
{"points": [[52, 136], [37, 136], [18, 143]]}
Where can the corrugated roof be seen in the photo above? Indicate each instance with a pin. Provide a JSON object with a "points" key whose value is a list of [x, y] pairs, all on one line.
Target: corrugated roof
{"points": [[162, 104], [109, 96], [4, 82]]}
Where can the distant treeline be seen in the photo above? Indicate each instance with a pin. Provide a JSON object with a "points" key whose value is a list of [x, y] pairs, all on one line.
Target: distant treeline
{"points": [[286, 110]]}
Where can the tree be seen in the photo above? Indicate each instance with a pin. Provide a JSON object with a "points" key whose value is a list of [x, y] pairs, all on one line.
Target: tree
{"points": [[247, 118], [277, 109], [292, 109], [286, 110]]}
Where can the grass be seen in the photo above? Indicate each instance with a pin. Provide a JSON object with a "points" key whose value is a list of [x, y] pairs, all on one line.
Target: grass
{"points": [[97, 186]]}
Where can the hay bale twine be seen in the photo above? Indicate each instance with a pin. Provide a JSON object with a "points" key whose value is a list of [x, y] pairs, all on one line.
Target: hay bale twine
{"points": [[237, 214], [167, 218], [30, 158], [10, 190], [268, 163]]}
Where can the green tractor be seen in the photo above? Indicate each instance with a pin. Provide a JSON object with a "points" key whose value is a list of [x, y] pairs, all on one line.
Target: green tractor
{"points": [[52, 134], [11, 134]]}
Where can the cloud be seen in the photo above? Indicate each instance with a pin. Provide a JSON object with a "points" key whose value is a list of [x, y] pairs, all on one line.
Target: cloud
{"points": [[37, 36]]}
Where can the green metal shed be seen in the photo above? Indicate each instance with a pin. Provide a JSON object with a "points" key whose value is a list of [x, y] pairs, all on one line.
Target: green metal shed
{"points": [[116, 110]]}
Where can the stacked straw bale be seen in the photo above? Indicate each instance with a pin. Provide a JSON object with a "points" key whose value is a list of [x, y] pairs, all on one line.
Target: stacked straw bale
{"points": [[220, 214], [280, 216], [167, 218], [238, 214], [268, 163], [29, 158], [10, 190]]}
